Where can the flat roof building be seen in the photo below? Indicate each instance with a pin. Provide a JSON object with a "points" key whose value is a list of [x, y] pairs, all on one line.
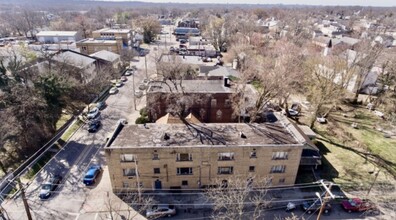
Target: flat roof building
{"points": [[90, 46], [112, 34], [191, 156], [50, 37]]}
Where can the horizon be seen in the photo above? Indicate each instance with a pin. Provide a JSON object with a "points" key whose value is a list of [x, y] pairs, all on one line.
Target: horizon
{"points": [[370, 3]]}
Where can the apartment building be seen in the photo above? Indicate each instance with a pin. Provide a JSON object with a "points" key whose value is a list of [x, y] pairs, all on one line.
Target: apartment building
{"points": [[90, 46], [192, 156], [112, 34], [208, 100]]}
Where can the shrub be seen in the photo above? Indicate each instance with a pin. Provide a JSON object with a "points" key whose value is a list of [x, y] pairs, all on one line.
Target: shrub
{"points": [[141, 120]]}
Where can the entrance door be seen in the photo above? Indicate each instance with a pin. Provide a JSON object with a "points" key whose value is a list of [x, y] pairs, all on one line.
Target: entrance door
{"points": [[158, 184]]}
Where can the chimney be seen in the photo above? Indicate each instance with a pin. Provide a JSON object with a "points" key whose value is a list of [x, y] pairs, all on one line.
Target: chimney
{"points": [[226, 82]]}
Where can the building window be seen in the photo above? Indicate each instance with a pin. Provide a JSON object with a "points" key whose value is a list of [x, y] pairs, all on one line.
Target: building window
{"points": [[184, 183], [213, 103], [251, 168], [184, 171], [127, 157], [84, 48], [125, 184], [157, 171], [226, 156], [129, 172], [280, 155], [219, 114], [253, 154], [282, 180], [225, 170], [184, 157], [139, 185], [278, 169], [155, 157], [227, 103]]}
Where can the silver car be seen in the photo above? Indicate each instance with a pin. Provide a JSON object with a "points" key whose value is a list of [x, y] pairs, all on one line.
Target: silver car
{"points": [[161, 210], [48, 187], [93, 113]]}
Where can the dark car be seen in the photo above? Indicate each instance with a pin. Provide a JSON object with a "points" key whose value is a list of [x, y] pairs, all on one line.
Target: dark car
{"points": [[101, 105], [183, 41], [311, 207], [91, 175], [48, 187], [93, 126]]}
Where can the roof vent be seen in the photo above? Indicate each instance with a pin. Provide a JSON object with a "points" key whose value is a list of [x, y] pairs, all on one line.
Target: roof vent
{"points": [[242, 135], [166, 136]]}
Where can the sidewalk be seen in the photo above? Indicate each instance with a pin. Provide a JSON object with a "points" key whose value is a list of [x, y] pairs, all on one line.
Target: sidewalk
{"points": [[101, 203]]}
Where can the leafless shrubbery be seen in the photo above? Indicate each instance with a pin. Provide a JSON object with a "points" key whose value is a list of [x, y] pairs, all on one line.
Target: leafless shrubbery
{"points": [[239, 197]]}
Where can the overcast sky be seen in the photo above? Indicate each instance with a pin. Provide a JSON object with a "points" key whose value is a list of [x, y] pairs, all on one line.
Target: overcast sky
{"points": [[306, 2]]}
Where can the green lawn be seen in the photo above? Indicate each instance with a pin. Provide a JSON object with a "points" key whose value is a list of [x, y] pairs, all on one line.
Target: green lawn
{"points": [[344, 166], [40, 163], [62, 120], [76, 125], [367, 136]]}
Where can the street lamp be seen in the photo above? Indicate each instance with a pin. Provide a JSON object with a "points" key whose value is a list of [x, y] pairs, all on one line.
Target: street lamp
{"points": [[319, 196]]}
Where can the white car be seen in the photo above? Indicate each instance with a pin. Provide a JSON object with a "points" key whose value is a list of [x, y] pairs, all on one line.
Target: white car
{"points": [[119, 84], [128, 73], [160, 211], [113, 90], [378, 113], [293, 112], [93, 113]]}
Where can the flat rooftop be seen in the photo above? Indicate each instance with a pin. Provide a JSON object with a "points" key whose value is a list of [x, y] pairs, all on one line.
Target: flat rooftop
{"points": [[270, 134], [97, 41], [56, 33], [110, 30], [190, 86]]}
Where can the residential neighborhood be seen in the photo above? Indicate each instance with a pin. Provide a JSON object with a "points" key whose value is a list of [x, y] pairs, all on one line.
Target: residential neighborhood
{"points": [[197, 110]]}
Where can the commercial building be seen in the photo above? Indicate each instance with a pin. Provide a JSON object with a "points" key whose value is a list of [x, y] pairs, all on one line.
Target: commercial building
{"points": [[196, 155], [50, 37], [90, 46], [112, 34], [185, 32]]}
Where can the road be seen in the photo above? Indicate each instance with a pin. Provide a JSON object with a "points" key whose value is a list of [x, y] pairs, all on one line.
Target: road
{"points": [[72, 200]]}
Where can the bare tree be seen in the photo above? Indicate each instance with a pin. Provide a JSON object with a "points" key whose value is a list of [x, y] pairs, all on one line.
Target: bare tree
{"points": [[129, 207], [239, 197], [325, 82], [365, 58]]}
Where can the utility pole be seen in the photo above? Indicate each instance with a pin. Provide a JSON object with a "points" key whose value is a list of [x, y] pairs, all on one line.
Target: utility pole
{"points": [[145, 64], [372, 184], [133, 87], [325, 198], [25, 203]]}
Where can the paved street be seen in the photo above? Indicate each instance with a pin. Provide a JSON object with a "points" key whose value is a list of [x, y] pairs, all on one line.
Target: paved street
{"points": [[73, 200]]}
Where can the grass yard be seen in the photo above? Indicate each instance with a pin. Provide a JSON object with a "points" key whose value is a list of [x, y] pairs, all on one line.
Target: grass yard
{"points": [[40, 163], [62, 120], [346, 167], [68, 133]]}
